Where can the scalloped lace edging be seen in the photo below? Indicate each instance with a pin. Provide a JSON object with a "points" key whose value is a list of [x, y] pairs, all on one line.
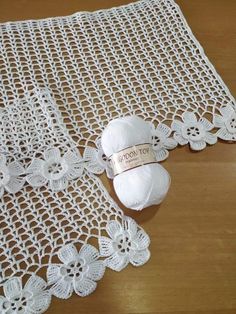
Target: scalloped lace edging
{"points": [[78, 271]]}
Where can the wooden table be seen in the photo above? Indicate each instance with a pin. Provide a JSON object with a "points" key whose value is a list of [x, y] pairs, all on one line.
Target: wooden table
{"points": [[193, 265]]}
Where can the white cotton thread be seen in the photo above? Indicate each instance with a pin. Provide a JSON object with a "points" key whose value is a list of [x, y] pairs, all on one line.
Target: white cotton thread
{"points": [[141, 186]]}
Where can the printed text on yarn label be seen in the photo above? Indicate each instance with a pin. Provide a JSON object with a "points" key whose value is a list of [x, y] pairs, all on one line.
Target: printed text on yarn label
{"points": [[132, 157]]}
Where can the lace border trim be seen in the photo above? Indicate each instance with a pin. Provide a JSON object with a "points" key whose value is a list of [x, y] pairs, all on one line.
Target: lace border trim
{"points": [[78, 271]]}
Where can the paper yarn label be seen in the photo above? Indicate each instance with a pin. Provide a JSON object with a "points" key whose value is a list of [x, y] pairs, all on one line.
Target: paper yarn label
{"points": [[132, 157]]}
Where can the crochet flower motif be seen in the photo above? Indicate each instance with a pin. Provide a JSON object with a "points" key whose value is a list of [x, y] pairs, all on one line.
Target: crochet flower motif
{"points": [[55, 169], [96, 161], [161, 141], [193, 131], [126, 245], [79, 271], [10, 179], [33, 298], [227, 123]]}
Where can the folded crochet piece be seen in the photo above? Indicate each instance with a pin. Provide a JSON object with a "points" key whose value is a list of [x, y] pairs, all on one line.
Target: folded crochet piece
{"points": [[62, 80], [51, 207]]}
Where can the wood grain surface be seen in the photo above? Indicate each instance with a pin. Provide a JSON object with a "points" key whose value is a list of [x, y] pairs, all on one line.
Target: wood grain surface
{"points": [[193, 264]]}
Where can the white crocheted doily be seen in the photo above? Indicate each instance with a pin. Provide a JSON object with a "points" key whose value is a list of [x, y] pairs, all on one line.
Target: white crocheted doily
{"points": [[61, 81]]}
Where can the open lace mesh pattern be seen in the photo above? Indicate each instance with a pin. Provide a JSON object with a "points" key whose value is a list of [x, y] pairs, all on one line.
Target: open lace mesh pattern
{"points": [[61, 81], [52, 207], [141, 58], [36, 222]]}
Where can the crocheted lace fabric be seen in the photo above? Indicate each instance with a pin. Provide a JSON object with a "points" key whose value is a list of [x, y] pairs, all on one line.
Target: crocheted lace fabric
{"points": [[62, 80]]}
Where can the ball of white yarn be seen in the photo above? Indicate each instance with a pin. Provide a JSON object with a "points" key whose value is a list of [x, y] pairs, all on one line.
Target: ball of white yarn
{"points": [[142, 186]]}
